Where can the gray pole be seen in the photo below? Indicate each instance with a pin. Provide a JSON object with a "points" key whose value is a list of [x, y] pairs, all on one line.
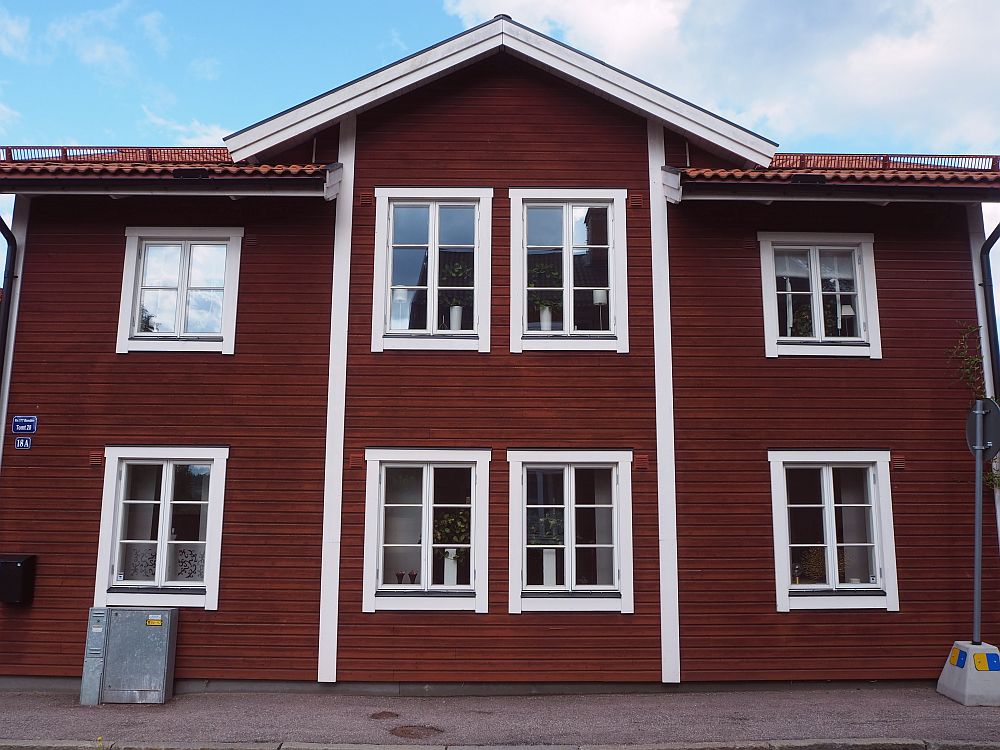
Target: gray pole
{"points": [[977, 590]]}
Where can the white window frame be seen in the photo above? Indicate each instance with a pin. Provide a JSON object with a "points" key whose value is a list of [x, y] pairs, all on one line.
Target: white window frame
{"points": [[614, 340], [597, 598], [869, 343], [224, 342], [115, 458], [478, 339], [836, 596], [374, 596]]}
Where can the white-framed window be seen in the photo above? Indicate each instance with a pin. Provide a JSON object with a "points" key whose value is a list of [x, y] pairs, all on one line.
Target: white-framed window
{"points": [[833, 536], [570, 531], [426, 529], [568, 269], [819, 294], [161, 526], [179, 289], [432, 268]]}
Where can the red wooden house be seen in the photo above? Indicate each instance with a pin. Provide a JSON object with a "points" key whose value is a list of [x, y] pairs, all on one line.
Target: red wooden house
{"points": [[495, 365]]}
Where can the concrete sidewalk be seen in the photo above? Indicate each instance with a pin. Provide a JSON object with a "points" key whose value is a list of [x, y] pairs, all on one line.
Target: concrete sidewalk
{"points": [[754, 715]]}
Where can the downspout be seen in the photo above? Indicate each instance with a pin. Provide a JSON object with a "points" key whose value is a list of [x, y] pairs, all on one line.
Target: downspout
{"points": [[8, 278], [991, 307]]}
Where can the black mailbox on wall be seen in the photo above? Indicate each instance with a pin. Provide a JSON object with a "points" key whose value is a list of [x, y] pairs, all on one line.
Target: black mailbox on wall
{"points": [[17, 579]]}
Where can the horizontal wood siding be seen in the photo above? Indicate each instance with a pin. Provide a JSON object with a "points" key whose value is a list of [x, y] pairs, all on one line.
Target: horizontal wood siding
{"points": [[500, 124], [268, 402], [732, 405]]}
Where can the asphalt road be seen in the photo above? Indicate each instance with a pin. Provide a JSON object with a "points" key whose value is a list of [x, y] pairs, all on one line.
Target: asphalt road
{"points": [[785, 712]]}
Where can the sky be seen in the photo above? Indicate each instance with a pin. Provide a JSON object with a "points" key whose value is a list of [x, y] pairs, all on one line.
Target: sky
{"points": [[902, 76]]}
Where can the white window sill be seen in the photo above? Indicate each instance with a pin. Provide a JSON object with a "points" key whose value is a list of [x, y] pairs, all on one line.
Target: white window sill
{"points": [[571, 604], [443, 343], [838, 601], [175, 345], [824, 350], [428, 603], [573, 343], [165, 599]]}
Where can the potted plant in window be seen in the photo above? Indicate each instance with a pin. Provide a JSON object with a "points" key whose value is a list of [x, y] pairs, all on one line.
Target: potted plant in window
{"points": [[455, 274], [452, 528], [545, 276]]}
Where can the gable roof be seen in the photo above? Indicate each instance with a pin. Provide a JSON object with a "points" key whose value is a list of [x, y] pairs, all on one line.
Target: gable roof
{"points": [[501, 34]]}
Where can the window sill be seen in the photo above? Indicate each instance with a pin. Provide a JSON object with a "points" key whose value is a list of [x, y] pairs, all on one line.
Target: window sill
{"points": [[121, 598], [175, 345], [464, 601], [469, 342], [575, 342], [859, 600], [823, 350], [540, 601]]}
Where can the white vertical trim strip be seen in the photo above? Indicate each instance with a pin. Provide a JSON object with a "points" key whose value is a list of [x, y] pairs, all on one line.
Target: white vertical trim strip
{"points": [[373, 477], [333, 481], [670, 646], [19, 226], [626, 578], [779, 530], [516, 533]]}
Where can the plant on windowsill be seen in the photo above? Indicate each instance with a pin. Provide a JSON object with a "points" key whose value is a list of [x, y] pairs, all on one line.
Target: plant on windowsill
{"points": [[455, 274], [545, 277], [452, 528], [545, 530], [968, 356]]}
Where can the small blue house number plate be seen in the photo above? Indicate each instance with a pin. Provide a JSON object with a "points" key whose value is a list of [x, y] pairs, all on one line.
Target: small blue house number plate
{"points": [[22, 443]]}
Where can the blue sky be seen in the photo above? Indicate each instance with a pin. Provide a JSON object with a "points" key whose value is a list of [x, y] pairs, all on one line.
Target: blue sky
{"points": [[823, 75]]}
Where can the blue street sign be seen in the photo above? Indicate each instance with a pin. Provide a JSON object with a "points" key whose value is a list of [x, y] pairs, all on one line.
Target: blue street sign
{"points": [[22, 443], [24, 425]]}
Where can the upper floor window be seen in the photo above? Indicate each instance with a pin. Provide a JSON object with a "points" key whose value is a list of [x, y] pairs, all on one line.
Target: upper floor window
{"points": [[432, 268], [568, 270], [819, 294], [833, 532], [179, 289]]}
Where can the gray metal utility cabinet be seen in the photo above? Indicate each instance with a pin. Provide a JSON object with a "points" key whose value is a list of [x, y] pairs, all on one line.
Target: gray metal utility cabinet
{"points": [[130, 655]]}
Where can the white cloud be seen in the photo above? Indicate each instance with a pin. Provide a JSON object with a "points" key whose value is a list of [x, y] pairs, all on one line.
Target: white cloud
{"points": [[151, 25], [194, 133], [14, 32], [205, 68], [914, 75], [87, 35]]}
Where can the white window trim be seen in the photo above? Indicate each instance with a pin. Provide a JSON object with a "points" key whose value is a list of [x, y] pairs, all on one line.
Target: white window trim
{"points": [[114, 456], [479, 601], [225, 343], [882, 512], [868, 295], [569, 601], [617, 339], [478, 339]]}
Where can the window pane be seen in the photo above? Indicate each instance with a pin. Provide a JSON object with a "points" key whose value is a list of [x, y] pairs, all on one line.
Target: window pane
{"points": [[188, 523], [157, 311], [544, 486], [856, 564], [143, 481], [409, 266], [594, 526], [545, 268], [590, 310], [452, 485], [452, 526], [545, 526], [140, 521], [593, 485], [795, 317], [595, 566], [137, 562], [805, 526], [791, 270], [191, 482], [456, 309], [403, 524], [804, 486], [854, 524], [456, 267], [208, 265], [186, 563], [457, 225], [545, 567], [410, 225], [545, 225], [840, 315], [451, 567], [204, 311], [161, 265], [836, 270], [401, 565], [404, 485], [808, 565], [545, 311], [590, 225], [850, 485], [590, 267], [409, 310]]}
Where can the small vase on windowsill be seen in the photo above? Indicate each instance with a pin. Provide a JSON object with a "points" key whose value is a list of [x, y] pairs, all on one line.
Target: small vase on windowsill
{"points": [[455, 317], [545, 318], [400, 575], [413, 576]]}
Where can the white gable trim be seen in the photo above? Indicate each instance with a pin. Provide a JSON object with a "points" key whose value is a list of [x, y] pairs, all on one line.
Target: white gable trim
{"points": [[476, 44]]}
